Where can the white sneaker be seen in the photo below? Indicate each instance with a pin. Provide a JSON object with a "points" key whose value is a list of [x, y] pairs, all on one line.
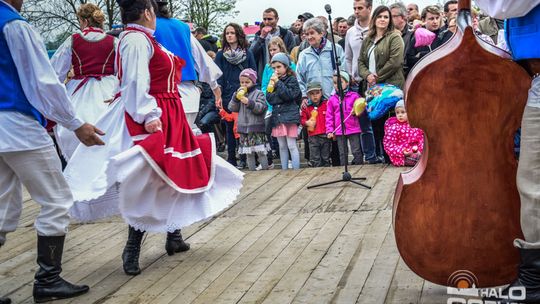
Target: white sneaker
{"points": [[259, 167], [290, 164]]}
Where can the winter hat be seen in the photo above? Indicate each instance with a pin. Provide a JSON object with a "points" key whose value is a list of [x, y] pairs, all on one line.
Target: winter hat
{"points": [[400, 103], [312, 86], [249, 73], [281, 57], [344, 75]]}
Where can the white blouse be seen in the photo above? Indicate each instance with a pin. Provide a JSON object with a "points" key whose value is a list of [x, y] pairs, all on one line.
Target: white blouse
{"points": [[135, 51], [504, 9], [19, 132]]}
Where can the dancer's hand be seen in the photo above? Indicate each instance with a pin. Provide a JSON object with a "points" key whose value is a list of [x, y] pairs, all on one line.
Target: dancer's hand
{"points": [[330, 135], [88, 135], [153, 126]]}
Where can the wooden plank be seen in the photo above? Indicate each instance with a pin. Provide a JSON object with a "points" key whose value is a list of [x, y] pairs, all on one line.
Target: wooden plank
{"points": [[353, 195], [21, 277], [433, 294], [324, 280], [268, 280], [380, 197], [109, 278], [208, 275], [207, 267], [361, 263], [406, 286], [244, 281], [220, 284], [167, 288], [380, 278], [252, 201], [289, 194], [295, 277], [255, 180]]}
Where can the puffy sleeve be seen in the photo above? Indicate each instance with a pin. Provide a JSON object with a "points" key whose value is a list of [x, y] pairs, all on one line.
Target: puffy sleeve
{"points": [[38, 79], [135, 51], [61, 60], [504, 9], [208, 71]]}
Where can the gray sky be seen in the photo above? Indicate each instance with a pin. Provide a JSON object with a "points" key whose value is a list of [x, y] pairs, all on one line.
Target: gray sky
{"points": [[251, 10]]}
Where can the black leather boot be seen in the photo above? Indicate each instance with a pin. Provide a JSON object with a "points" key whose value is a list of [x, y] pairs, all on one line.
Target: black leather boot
{"points": [[49, 285], [528, 277], [175, 243], [5, 300], [130, 256]]}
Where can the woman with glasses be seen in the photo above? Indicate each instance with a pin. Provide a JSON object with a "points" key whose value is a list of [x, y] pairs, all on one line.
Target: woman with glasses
{"points": [[381, 61]]}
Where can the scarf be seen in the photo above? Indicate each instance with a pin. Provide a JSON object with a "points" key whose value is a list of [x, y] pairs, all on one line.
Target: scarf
{"points": [[235, 57], [321, 46]]}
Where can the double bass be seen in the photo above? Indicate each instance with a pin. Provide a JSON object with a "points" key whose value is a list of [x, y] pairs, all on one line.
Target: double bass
{"points": [[457, 212]]}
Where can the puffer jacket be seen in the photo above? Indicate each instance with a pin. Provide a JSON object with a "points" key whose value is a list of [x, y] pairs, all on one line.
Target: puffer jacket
{"points": [[285, 101], [250, 116], [333, 118], [399, 136]]}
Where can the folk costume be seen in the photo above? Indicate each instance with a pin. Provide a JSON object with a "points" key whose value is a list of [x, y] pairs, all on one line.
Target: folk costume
{"points": [[522, 33], [158, 182], [29, 93], [175, 36], [91, 53]]}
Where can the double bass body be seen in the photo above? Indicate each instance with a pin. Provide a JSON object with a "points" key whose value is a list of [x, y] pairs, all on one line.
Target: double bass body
{"points": [[456, 213]]}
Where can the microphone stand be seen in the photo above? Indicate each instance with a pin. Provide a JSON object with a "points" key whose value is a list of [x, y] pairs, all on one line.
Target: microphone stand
{"points": [[346, 177]]}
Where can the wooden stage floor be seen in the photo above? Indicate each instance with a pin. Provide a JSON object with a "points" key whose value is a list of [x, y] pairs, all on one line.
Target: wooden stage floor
{"points": [[278, 243]]}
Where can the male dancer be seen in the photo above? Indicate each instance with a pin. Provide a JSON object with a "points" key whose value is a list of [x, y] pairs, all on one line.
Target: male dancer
{"points": [[29, 93], [528, 181]]}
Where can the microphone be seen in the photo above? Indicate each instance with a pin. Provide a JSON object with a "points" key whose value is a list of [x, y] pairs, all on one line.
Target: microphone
{"points": [[328, 9]]}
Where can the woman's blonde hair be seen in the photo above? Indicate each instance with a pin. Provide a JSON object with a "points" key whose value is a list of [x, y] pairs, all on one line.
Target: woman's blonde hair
{"points": [[91, 13], [280, 44]]}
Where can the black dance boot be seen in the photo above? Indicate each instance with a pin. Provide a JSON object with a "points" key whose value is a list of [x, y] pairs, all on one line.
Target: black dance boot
{"points": [[49, 285], [528, 277], [175, 243], [130, 256], [5, 300]]}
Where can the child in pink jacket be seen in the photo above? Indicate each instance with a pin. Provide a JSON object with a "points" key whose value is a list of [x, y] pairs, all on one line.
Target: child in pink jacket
{"points": [[352, 124], [402, 143]]}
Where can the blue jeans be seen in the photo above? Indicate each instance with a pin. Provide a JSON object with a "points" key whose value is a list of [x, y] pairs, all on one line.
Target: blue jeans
{"points": [[231, 143], [366, 137], [367, 140]]}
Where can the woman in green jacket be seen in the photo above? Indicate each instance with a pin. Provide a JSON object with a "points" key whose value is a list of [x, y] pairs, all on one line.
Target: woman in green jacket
{"points": [[381, 61]]}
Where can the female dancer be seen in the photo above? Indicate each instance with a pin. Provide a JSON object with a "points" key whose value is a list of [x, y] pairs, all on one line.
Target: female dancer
{"points": [[91, 53], [152, 170]]}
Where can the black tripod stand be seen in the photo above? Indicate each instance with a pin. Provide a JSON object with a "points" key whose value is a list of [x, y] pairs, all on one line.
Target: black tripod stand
{"points": [[346, 177]]}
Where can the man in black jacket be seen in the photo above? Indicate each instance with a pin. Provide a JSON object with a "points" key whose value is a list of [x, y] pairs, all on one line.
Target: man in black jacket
{"points": [[259, 46], [208, 42], [431, 15]]}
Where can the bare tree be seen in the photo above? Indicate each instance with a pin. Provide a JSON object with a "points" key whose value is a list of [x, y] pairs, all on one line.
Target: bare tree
{"points": [[53, 18], [210, 14]]}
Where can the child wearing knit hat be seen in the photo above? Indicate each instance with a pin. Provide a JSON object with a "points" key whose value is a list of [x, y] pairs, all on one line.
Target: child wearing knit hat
{"points": [[403, 144], [285, 100], [351, 123], [250, 103]]}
